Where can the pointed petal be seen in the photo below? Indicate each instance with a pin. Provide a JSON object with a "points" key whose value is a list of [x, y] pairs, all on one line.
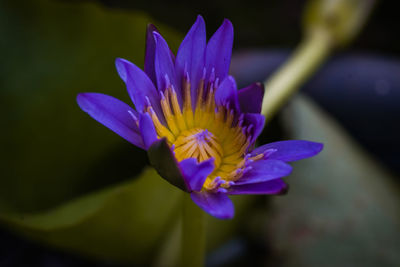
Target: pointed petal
{"points": [[227, 93], [165, 68], [150, 52], [112, 113], [272, 187], [291, 150], [216, 204], [265, 170], [191, 55], [147, 129], [195, 173], [257, 120], [219, 51], [163, 160], [251, 97], [139, 85]]}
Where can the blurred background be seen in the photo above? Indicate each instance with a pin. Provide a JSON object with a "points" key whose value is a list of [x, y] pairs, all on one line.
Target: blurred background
{"points": [[73, 193]]}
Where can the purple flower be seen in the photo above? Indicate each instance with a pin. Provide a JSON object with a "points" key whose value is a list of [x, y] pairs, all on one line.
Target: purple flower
{"points": [[198, 129]]}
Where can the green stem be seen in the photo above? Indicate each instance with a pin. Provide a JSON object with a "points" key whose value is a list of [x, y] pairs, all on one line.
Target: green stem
{"points": [[288, 79], [193, 234]]}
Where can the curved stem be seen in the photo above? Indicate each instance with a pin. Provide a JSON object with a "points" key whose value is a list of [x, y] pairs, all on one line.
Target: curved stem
{"points": [[193, 234], [288, 79]]}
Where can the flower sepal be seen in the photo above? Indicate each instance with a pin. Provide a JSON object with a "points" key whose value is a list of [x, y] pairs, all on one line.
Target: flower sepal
{"points": [[163, 160], [188, 175]]}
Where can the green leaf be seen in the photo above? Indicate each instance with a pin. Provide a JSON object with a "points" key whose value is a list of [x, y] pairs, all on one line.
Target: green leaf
{"points": [[343, 207], [137, 222], [52, 50], [125, 223]]}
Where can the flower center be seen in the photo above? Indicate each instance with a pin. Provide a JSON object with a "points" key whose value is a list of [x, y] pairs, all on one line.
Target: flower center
{"points": [[204, 130], [199, 144]]}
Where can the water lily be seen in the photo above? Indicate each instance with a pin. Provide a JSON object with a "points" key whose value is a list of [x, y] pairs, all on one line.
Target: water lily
{"points": [[198, 129]]}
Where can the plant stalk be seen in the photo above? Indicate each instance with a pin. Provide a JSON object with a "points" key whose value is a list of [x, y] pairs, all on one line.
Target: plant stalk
{"points": [[193, 234], [310, 54]]}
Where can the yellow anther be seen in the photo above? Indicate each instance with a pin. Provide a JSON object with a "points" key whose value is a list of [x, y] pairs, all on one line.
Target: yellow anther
{"points": [[162, 131], [204, 131], [257, 157], [177, 111], [169, 117], [188, 109], [198, 113]]}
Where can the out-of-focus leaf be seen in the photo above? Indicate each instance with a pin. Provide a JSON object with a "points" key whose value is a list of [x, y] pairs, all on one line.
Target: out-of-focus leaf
{"points": [[125, 223], [137, 222], [51, 151], [343, 208]]}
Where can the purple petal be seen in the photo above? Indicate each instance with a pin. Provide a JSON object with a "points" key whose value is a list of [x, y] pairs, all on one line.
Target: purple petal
{"points": [[227, 93], [112, 113], [257, 120], [291, 150], [195, 173], [250, 98], [276, 186], [219, 51], [265, 170], [164, 66], [147, 129], [216, 204], [190, 56], [150, 52], [163, 160], [139, 85]]}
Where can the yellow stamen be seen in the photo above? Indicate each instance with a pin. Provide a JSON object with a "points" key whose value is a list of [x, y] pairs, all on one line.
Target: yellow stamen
{"points": [[198, 113], [205, 131], [187, 110], [177, 111], [166, 107], [161, 129]]}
